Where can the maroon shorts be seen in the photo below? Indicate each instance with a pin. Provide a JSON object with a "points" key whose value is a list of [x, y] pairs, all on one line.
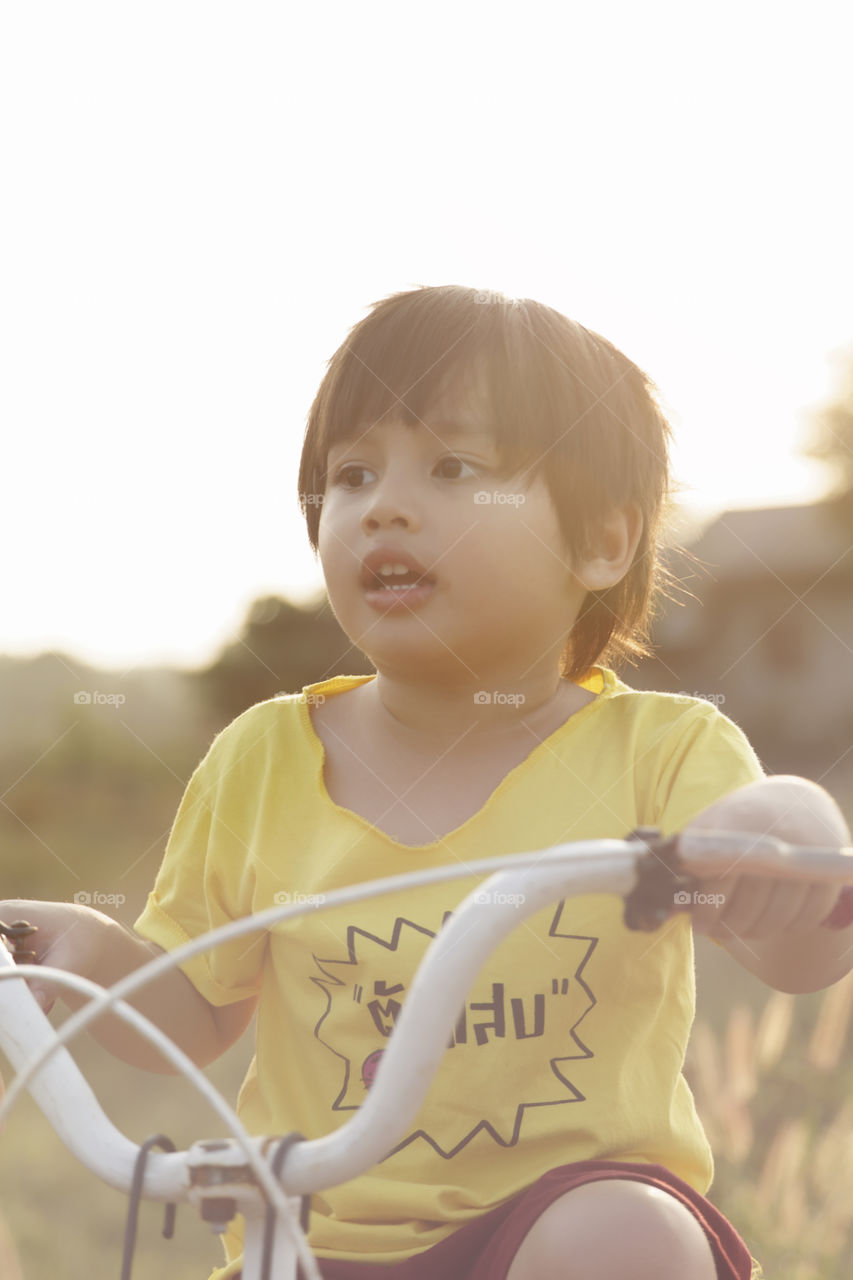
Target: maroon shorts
{"points": [[484, 1249]]}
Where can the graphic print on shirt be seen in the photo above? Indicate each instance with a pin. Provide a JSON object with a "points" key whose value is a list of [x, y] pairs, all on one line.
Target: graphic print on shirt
{"points": [[509, 1011]]}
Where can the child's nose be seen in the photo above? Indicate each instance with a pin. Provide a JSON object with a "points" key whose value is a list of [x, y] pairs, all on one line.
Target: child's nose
{"points": [[393, 502], [383, 515]]}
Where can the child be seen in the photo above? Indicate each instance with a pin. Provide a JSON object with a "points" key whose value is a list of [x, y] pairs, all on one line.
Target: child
{"points": [[484, 481]]}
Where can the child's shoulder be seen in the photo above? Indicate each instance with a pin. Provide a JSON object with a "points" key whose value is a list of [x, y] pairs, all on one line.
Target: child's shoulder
{"points": [[653, 705], [274, 724], [660, 726], [666, 729]]}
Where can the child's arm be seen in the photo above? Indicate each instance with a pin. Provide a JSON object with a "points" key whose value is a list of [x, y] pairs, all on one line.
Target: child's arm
{"points": [[773, 927], [85, 942]]}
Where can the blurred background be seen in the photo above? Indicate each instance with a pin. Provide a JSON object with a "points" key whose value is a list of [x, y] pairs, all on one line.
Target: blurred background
{"points": [[200, 201]]}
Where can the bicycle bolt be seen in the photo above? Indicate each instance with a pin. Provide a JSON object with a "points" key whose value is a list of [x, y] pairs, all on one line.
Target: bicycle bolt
{"points": [[16, 932], [217, 1212]]}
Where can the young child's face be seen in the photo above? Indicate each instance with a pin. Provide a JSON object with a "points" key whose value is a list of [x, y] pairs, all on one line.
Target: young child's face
{"points": [[488, 592]]}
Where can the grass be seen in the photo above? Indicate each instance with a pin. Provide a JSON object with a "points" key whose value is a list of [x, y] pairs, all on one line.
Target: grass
{"points": [[773, 1093]]}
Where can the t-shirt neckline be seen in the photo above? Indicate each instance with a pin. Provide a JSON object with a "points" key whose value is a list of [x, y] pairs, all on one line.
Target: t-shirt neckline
{"points": [[599, 680]]}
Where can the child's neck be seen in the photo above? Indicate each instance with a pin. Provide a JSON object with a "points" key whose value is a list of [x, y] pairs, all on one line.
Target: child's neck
{"points": [[417, 713]]}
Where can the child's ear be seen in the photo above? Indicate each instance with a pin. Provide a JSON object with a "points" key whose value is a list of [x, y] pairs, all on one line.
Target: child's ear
{"points": [[612, 550]]}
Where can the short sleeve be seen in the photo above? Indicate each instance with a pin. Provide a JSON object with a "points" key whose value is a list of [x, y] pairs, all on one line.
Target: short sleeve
{"points": [[206, 879], [710, 758]]}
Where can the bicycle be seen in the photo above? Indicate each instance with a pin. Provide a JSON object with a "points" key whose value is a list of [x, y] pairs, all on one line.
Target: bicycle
{"points": [[268, 1180]]}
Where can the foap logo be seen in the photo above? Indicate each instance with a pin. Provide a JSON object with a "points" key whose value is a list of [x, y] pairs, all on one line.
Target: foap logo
{"points": [[488, 898], [483, 497], [716, 699], [484, 698], [284, 898], [311, 500], [681, 898], [98, 898], [88, 698], [315, 699]]}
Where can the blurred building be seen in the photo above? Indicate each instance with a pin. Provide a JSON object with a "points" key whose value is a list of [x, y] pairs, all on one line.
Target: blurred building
{"points": [[767, 633]]}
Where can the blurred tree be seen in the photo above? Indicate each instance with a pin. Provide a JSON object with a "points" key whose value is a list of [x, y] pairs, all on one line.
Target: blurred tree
{"points": [[281, 648], [90, 790]]}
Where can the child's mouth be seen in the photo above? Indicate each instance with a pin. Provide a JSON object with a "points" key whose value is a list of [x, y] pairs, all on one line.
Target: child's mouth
{"points": [[402, 591], [393, 579]]}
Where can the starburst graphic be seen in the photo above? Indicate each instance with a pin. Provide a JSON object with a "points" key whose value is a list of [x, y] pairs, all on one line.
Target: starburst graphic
{"points": [[527, 1001]]}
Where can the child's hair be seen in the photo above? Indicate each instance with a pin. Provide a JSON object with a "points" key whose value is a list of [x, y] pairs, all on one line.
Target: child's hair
{"points": [[561, 401]]}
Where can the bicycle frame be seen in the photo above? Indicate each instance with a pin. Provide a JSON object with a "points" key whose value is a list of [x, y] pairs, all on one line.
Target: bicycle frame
{"points": [[236, 1174]]}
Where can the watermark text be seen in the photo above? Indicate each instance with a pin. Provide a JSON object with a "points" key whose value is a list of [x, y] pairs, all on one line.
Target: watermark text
{"points": [[284, 898], [97, 898], [682, 898], [717, 699], [483, 698], [500, 899], [485, 496]]}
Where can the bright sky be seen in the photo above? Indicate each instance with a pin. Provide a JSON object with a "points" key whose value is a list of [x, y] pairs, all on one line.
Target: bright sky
{"points": [[200, 199]]}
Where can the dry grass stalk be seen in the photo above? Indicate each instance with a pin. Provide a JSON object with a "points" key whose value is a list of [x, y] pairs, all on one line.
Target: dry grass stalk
{"points": [[774, 1028], [738, 1134], [830, 1031], [783, 1164], [832, 1156], [741, 1078], [832, 1177], [792, 1210], [10, 1267]]}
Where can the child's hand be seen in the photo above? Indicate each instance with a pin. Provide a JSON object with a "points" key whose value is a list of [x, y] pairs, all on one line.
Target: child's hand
{"points": [[80, 940], [737, 905], [66, 937], [756, 907]]}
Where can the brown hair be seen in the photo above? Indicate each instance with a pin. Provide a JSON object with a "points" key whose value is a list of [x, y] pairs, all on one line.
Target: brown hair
{"points": [[562, 401]]}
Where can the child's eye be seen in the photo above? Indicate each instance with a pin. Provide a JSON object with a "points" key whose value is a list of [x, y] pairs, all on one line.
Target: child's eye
{"points": [[351, 476], [452, 467]]}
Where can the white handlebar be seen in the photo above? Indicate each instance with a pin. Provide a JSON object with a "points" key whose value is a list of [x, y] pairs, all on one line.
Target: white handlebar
{"points": [[64, 1096]]}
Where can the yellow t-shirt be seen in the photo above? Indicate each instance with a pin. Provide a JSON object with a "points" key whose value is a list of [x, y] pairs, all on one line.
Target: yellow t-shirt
{"points": [[572, 1040]]}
